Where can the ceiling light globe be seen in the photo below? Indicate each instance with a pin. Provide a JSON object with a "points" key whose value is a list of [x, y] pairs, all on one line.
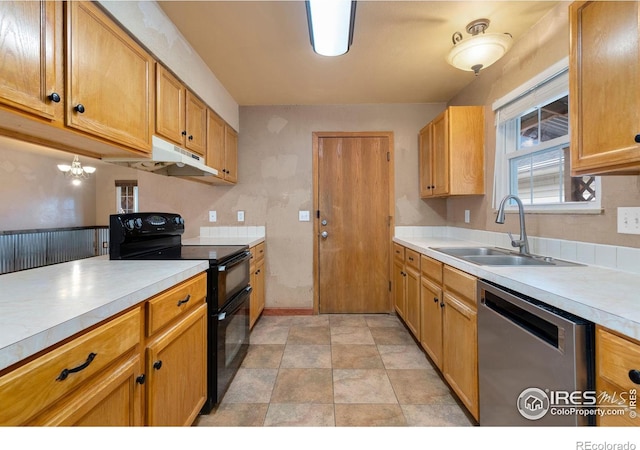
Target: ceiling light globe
{"points": [[89, 169], [480, 50]]}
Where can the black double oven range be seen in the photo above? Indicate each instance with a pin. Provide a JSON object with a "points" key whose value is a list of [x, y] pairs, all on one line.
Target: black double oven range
{"points": [[158, 236]]}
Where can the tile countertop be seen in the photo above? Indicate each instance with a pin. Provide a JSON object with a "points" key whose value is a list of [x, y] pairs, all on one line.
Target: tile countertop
{"points": [[40, 307], [604, 296]]}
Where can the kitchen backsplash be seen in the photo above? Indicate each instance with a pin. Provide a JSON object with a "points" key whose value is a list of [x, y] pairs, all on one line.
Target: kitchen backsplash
{"points": [[227, 232], [610, 256]]}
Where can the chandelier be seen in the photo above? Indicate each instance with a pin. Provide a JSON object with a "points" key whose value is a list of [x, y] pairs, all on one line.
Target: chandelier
{"points": [[75, 171]]}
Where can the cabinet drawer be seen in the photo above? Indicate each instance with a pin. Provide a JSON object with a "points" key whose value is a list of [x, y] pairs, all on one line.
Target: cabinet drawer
{"points": [[461, 283], [38, 384], [398, 252], [431, 269], [257, 252], [170, 304], [412, 258], [616, 356]]}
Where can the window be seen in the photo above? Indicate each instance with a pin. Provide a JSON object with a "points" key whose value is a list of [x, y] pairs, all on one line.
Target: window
{"points": [[532, 148], [126, 196]]}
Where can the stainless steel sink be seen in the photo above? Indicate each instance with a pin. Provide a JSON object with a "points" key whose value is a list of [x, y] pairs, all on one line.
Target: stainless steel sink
{"points": [[472, 251], [507, 260], [494, 256]]}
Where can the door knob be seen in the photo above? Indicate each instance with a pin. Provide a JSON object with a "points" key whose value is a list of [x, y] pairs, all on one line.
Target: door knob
{"points": [[324, 235], [324, 222]]}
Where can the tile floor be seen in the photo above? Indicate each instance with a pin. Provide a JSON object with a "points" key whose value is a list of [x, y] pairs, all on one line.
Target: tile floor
{"points": [[336, 370]]}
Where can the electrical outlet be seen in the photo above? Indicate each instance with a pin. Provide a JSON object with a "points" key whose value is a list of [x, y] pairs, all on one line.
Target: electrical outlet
{"points": [[628, 220], [467, 216], [240, 216], [213, 216]]}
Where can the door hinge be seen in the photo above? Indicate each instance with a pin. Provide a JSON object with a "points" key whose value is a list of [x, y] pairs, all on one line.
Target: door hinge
{"points": [[317, 214], [389, 221], [388, 156], [389, 285]]}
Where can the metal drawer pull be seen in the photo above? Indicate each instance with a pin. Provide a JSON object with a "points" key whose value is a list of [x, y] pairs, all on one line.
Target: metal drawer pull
{"points": [[65, 373], [634, 375], [184, 300]]}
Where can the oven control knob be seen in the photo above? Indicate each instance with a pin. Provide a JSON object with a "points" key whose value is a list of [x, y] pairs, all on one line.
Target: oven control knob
{"points": [[178, 220], [129, 224], [138, 223]]}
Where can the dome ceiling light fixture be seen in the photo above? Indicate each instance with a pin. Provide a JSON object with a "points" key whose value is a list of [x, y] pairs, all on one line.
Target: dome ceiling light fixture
{"points": [[480, 50], [75, 171]]}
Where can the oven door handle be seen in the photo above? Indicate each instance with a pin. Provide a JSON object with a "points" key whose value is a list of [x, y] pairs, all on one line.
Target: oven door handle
{"points": [[234, 262], [234, 304]]}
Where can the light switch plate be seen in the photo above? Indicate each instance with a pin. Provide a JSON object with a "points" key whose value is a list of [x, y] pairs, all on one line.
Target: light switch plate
{"points": [[240, 216], [303, 216], [213, 216], [629, 220]]}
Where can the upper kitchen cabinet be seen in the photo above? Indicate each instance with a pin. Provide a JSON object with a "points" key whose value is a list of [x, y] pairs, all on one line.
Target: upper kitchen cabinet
{"points": [[31, 63], [181, 117], [222, 148], [452, 153], [604, 93], [109, 79]]}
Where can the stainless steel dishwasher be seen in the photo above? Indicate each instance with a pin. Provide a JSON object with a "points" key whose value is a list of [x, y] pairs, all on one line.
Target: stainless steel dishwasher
{"points": [[535, 362]]}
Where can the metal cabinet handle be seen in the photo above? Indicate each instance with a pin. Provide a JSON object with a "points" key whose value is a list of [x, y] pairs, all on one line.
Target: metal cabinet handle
{"points": [[184, 132], [54, 97], [157, 365], [191, 137], [637, 138], [435, 300], [141, 379], [184, 300], [65, 372], [79, 108], [634, 375]]}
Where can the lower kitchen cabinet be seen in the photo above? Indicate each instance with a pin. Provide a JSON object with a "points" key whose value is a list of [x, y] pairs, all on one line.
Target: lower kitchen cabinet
{"points": [[438, 304], [77, 374], [617, 376], [431, 309], [112, 400], [407, 287], [460, 336], [116, 373], [257, 301], [176, 367]]}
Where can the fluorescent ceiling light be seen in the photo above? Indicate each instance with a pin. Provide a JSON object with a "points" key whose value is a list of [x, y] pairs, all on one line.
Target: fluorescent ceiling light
{"points": [[331, 25]]}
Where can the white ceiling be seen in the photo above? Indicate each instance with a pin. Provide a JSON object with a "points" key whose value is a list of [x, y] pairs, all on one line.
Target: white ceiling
{"points": [[260, 50]]}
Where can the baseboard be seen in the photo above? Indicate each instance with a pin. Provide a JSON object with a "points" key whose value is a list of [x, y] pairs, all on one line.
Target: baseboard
{"points": [[287, 312]]}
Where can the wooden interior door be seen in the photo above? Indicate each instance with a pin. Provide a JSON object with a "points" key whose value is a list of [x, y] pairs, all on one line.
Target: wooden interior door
{"points": [[353, 222]]}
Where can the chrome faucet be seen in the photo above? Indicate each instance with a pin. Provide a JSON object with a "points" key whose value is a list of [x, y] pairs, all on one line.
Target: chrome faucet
{"points": [[522, 243]]}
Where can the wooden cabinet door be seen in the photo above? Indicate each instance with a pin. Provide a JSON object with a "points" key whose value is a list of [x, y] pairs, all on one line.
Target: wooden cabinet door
{"points": [[28, 66], [399, 297], [460, 351], [215, 142], [170, 106], [176, 368], [440, 155], [196, 124], [604, 93], [257, 301], [230, 155], [425, 157], [412, 312], [109, 79], [431, 320], [113, 400]]}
